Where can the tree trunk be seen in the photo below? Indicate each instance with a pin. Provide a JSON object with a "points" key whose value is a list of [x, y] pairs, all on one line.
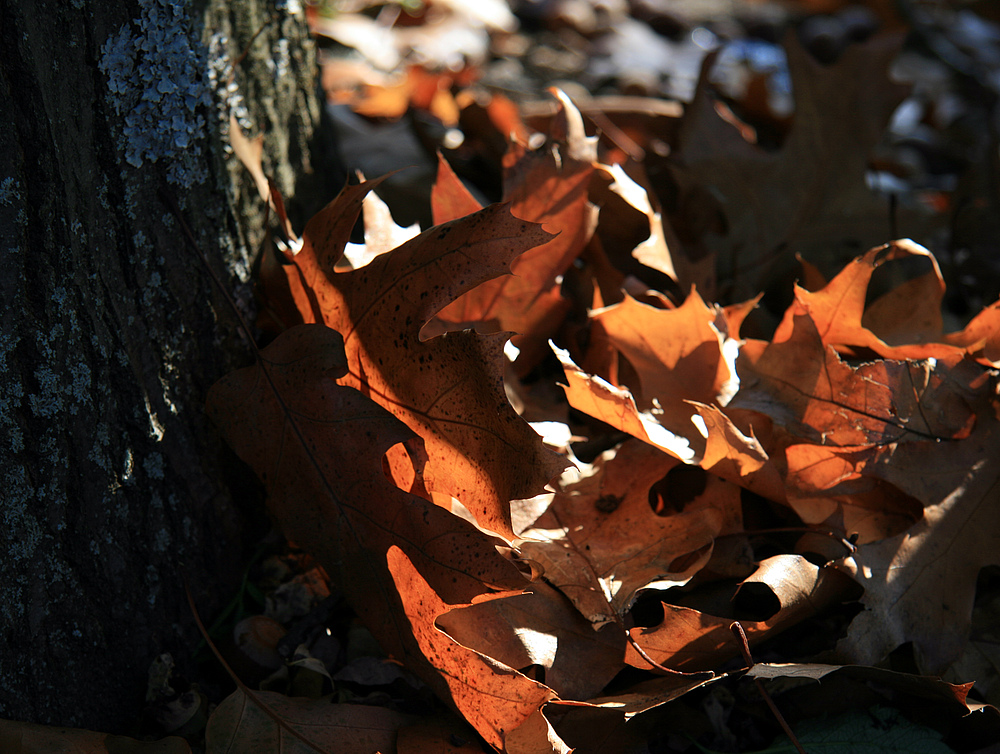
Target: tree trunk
{"points": [[112, 482]]}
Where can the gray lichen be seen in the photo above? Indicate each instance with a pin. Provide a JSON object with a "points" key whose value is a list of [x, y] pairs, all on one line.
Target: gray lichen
{"points": [[154, 66]]}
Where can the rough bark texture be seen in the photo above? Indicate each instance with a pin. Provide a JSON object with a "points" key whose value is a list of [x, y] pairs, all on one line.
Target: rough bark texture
{"points": [[111, 483]]}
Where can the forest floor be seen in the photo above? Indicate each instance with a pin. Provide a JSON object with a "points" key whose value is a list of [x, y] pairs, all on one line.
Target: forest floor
{"points": [[756, 145]]}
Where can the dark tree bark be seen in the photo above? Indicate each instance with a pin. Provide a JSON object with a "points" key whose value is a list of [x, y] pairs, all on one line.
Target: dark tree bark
{"points": [[112, 488]]}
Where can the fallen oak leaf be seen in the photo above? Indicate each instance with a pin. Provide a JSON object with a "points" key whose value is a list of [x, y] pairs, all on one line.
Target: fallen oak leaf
{"points": [[904, 323], [920, 585], [810, 196], [679, 355], [318, 447], [600, 542], [950, 701], [446, 389], [239, 726], [713, 442], [981, 337], [32, 738], [381, 232], [616, 406], [823, 480], [654, 252], [542, 628], [494, 698], [803, 384], [737, 456], [450, 199], [549, 186], [608, 723]]}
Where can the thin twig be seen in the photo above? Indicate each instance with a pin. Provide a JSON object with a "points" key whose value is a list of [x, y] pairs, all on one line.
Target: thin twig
{"points": [[741, 637], [278, 720]]}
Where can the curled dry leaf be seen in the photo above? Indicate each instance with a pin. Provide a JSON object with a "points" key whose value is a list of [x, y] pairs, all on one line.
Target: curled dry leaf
{"points": [[688, 639], [903, 323]]}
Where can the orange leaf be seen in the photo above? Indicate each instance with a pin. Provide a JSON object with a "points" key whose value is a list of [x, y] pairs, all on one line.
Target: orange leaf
{"points": [[447, 389], [823, 480], [547, 186], [495, 699], [450, 199], [805, 386], [677, 355], [318, 447], [541, 627], [981, 337], [904, 323], [600, 541]]}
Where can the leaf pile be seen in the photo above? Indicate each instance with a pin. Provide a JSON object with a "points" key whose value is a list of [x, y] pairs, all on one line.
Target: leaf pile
{"points": [[554, 581]]}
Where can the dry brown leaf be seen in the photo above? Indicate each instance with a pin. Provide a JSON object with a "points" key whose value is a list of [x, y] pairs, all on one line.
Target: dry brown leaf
{"points": [[654, 251], [677, 355], [549, 186], [822, 481], [688, 639], [903, 323], [31, 738], [810, 196], [920, 585], [447, 389], [318, 447], [494, 698], [541, 627], [450, 199], [600, 541], [240, 726], [981, 337], [803, 385], [616, 724], [615, 406]]}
